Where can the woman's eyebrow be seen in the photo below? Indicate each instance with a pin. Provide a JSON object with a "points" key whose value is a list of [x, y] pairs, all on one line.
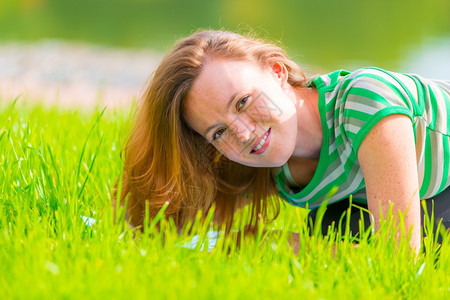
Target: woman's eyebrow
{"points": [[227, 107]]}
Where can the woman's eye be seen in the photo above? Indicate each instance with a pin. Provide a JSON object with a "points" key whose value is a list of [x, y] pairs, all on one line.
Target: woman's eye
{"points": [[241, 103], [218, 133]]}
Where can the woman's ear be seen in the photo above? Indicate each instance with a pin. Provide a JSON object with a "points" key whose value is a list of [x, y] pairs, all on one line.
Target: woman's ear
{"points": [[280, 72]]}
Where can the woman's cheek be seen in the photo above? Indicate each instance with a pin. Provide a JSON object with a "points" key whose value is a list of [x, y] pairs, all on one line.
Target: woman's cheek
{"points": [[229, 147], [260, 112]]}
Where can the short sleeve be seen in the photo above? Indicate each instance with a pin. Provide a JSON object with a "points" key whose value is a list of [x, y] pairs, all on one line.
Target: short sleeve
{"points": [[367, 97]]}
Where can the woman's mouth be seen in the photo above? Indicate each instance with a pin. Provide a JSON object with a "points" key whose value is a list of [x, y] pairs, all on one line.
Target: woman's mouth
{"points": [[261, 145]]}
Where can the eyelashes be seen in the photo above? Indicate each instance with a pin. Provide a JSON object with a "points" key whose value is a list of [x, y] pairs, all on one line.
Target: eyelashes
{"points": [[239, 105], [218, 133]]}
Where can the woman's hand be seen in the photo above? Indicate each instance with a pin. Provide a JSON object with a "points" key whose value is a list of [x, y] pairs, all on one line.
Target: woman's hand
{"points": [[387, 157]]}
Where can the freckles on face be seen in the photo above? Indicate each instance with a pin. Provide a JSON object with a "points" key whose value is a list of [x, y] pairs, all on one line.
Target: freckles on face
{"points": [[234, 104], [212, 98]]}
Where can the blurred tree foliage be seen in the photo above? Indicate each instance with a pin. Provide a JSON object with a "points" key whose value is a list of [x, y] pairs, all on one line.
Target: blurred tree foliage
{"points": [[322, 33]]}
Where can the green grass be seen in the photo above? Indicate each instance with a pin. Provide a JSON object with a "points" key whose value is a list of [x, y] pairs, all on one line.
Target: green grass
{"points": [[58, 165]]}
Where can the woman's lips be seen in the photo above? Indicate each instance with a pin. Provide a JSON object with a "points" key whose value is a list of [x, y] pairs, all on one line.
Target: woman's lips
{"points": [[261, 150]]}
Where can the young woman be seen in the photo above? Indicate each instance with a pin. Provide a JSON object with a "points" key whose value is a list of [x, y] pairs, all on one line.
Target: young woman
{"points": [[231, 120]]}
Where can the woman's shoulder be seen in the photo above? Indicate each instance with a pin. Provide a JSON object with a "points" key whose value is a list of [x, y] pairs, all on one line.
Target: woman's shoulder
{"points": [[342, 79], [373, 74], [376, 82]]}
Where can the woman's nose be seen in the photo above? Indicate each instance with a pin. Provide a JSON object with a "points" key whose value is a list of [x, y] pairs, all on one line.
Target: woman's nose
{"points": [[242, 130]]}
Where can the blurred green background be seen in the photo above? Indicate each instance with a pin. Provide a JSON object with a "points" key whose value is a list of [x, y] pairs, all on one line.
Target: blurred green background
{"points": [[405, 35]]}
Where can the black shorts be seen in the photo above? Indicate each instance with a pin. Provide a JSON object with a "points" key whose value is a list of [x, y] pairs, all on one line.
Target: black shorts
{"points": [[335, 211]]}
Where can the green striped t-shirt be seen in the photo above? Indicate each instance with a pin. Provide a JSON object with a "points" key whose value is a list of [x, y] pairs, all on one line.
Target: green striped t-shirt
{"points": [[350, 104]]}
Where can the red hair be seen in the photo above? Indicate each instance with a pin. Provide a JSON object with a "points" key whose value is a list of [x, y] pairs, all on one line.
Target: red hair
{"points": [[166, 161]]}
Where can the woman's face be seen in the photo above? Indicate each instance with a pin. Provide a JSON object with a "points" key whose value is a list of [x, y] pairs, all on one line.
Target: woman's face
{"points": [[247, 112]]}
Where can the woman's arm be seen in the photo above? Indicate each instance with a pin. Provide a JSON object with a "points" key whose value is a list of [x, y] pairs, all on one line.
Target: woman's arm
{"points": [[388, 161]]}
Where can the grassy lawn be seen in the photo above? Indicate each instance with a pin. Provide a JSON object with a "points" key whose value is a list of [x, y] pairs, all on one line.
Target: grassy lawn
{"points": [[59, 165]]}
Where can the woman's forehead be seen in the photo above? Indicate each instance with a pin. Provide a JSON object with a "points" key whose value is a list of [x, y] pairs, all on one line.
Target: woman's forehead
{"points": [[221, 77], [220, 82], [206, 100]]}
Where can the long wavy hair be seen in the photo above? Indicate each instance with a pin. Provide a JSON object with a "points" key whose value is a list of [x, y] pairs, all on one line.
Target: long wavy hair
{"points": [[166, 161]]}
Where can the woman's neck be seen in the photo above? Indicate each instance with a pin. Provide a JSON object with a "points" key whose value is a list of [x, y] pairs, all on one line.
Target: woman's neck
{"points": [[302, 169], [309, 127]]}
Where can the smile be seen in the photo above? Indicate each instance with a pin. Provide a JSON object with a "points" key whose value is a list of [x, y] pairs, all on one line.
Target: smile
{"points": [[260, 146]]}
